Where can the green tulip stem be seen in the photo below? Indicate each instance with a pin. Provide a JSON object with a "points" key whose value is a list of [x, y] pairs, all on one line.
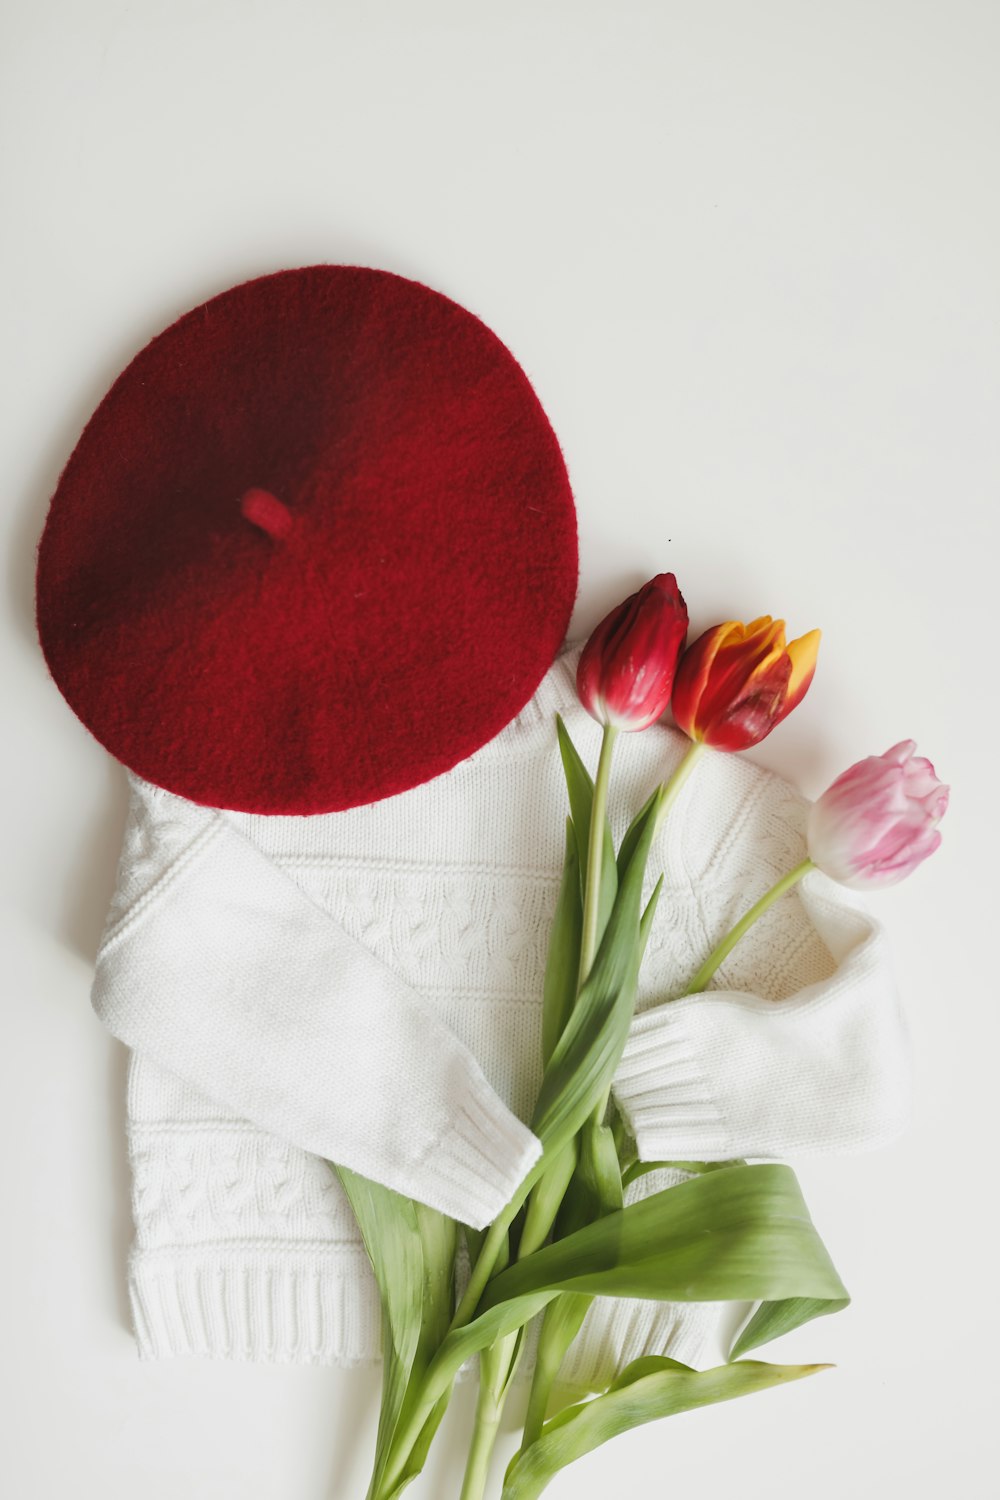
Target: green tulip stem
{"points": [[484, 1435], [670, 792], [433, 1385], [495, 1370], [486, 1415], [595, 854], [491, 1394], [672, 788], [549, 1356], [496, 1238], [496, 1235], [728, 943]]}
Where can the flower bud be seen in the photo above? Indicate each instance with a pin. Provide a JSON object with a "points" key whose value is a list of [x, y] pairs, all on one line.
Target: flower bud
{"points": [[626, 671], [736, 682], [878, 821]]}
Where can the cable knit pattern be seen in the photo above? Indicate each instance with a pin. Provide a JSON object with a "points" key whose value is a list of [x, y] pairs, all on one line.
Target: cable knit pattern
{"points": [[159, 831], [437, 904]]}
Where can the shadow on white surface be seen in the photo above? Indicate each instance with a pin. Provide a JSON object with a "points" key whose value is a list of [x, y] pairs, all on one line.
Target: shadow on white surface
{"points": [[89, 870], [119, 1224]]}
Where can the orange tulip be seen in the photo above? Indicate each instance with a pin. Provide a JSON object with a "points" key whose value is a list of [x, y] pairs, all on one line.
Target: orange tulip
{"points": [[736, 682]]}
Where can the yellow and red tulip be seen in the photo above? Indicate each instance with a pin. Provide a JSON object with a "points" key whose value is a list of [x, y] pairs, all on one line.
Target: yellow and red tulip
{"points": [[736, 682], [626, 670]]}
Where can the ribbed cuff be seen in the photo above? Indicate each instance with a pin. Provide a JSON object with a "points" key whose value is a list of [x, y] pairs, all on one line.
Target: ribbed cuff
{"points": [[663, 1095], [473, 1171]]}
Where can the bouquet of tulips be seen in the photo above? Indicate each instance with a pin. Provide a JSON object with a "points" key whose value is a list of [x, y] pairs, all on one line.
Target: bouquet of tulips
{"points": [[730, 1230]]}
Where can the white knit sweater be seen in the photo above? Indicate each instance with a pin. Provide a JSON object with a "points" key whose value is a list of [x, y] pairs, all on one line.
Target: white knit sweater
{"points": [[365, 986]]}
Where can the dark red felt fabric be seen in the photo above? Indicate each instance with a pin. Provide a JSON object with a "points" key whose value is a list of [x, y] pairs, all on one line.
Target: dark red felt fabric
{"points": [[316, 546]]}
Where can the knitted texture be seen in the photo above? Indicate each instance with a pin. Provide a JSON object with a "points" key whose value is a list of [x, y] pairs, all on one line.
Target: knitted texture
{"points": [[439, 902]]}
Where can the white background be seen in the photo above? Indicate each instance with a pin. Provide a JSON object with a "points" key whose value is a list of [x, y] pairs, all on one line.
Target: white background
{"points": [[748, 254]]}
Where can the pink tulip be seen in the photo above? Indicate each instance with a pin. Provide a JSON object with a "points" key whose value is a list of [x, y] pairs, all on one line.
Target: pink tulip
{"points": [[878, 821], [626, 672]]}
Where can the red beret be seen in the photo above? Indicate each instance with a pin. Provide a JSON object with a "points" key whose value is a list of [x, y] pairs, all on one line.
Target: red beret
{"points": [[315, 546]]}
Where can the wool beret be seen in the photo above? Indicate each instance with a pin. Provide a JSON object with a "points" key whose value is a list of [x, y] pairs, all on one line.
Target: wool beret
{"points": [[316, 546]]}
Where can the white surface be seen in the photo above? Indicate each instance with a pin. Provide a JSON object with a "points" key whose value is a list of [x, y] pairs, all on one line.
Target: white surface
{"points": [[748, 255]]}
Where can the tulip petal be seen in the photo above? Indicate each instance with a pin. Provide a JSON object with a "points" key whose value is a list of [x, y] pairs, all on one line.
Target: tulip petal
{"points": [[754, 713], [693, 674], [626, 670], [738, 681], [803, 653], [765, 627], [878, 821], [734, 666]]}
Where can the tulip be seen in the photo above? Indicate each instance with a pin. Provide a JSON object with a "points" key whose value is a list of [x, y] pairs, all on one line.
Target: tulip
{"points": [[878, 821], [736, 682], [871, 828], [626, 671]]}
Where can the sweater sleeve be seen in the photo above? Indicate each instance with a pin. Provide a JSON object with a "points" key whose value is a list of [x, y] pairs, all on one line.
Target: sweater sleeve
{"points": [[799, 1048], [216, 965]]}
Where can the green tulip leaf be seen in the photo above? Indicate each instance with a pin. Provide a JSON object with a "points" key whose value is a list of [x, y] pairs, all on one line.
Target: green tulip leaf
{"points": [[631, 839], [546, 1199], [575, 1083], [412, 1252], [647, 1390], [645, 925], [584, 1060], [388, 1224], [474, 1241], [438, 1242], [498, 1364], [580, 787], [418, 1453], [772, 1319], [594, 1191], [739, 1234], [596, 1186], [563, 965], [560, 1323], [560, 1161]]}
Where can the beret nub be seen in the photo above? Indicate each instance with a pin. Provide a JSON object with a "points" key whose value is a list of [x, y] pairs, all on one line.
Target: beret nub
{"points": [[265, 510], [316, 546]]}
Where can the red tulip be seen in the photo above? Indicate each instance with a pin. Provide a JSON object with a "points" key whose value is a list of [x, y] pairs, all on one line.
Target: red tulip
{"points": [[626, 671], [736, 682]]}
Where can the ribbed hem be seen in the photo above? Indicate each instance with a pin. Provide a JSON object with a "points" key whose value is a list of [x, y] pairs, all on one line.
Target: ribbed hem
{"points": [[290, 1305], [617, 1331], [320, 1307], [663, 1095], [472, 1173]]}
